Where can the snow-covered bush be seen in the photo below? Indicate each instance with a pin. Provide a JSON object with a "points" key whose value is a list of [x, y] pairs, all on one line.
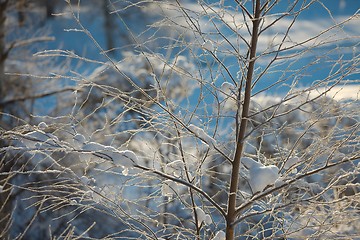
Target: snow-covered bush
{"points": [[204, 126]]}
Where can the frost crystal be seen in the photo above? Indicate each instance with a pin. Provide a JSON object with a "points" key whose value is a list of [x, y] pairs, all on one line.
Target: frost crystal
{"points": [[260, 176], [202, 135], [220, 235]]}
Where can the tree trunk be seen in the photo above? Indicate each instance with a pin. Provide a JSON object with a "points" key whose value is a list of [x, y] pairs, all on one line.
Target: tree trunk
{"points": [[234, 181]]}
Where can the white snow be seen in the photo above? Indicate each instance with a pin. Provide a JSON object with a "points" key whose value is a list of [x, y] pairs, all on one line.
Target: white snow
{"points": [[339, 92], [208, 219], [200, 214], [279, 182], [260, 176], [202, 217], [37, 139], [93, 146], [79, 140], [227, 87], [199, 132], [291, 162], [228, 92], [124, 158], [220, 235]]}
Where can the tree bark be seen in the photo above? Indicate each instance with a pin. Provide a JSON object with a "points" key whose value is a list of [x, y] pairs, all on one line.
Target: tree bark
{"points": [[234, 181]]}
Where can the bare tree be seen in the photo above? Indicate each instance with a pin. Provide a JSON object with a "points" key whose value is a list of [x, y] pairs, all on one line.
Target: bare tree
{"points": [[208, 129]]}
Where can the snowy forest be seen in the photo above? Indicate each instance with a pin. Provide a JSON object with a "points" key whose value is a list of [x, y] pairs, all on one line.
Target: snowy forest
{"points": [[179, 119]]}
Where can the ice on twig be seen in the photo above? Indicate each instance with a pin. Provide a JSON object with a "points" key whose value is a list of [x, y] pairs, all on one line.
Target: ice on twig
{"points": [[260, 176], [199, 132], [220, 235]]}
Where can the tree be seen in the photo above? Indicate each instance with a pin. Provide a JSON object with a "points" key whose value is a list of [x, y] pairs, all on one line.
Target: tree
{"points": [[212, 135]]}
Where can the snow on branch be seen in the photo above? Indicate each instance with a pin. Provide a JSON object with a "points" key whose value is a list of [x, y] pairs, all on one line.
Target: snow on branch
{"points": [[202, 217], [260, 176], [200, 133], [40, 140], [125, 158]]}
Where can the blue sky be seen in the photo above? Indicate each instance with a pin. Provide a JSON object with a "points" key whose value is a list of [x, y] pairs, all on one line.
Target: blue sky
{"points": [[312, 21]]}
